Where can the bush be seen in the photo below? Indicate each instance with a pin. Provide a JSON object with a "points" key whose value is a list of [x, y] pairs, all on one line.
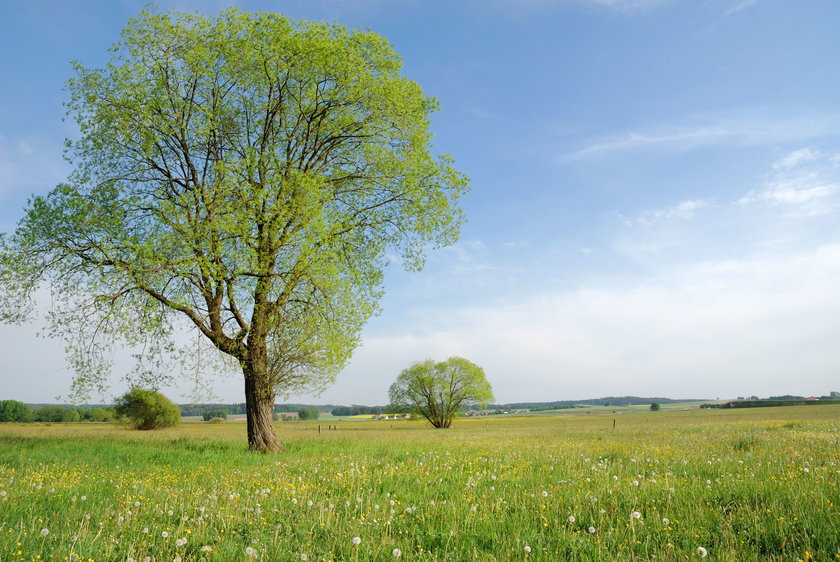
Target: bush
{"points": [[216, 413], [309, 414], [14, 411], [655, 407], [147, 409]]}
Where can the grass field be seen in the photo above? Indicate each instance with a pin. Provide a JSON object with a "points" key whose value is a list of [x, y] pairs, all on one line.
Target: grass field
{"points": [[671, 485]]}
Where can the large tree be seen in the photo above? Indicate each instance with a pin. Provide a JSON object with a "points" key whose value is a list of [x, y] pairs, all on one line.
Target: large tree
{"points": [[243, 176], [438, 391]]}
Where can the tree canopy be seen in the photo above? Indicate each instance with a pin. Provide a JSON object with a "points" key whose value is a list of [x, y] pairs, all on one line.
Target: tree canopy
{"points": [[240, 177], [438, 391]]}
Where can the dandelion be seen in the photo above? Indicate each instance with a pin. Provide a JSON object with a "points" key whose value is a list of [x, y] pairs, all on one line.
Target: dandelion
{"points": [[591, 530], [527, 549], [145, 530], [180, 542], [544, 494], [45, 532], [571, 518], [396, 553], [702, 552], [206, 548], [356, 541], [164, 534], [304, 557], [635, 482], [250, 551], [666, 521], [635, 515]]}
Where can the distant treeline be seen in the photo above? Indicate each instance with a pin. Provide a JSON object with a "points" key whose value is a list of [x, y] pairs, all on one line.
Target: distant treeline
{"points": [[771, 403], [606, 401]]}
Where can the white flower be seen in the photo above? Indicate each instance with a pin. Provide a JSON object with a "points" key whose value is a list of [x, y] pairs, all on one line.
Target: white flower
{"points": [[180, 542], [636, 515], [527, 548], [164, 534], [45, 532], [571, 518], [176, 559], [635, 482], [206, 548], [136, 504], [249, 551], [356, 540], [544, 494], [591, 530], [806, 470], [83, 498], [396, 553], [702, 552], [666, 521], [303, 556]]}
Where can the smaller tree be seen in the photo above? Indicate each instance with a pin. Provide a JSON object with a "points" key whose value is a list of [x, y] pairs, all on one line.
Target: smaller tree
{"points": [[437, 391], [147, 409], [309, 414], [102, 414], [655, 407]]}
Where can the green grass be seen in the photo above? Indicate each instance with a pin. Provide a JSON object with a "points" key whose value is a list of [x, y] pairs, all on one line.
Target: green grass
{"points": [[746, 485]]}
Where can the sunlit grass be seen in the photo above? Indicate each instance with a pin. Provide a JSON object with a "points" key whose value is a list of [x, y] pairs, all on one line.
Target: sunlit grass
{"points": [[746, 485]]}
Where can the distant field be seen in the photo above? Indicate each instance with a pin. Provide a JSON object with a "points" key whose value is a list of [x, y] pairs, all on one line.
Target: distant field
{"points": [[759, 484]]}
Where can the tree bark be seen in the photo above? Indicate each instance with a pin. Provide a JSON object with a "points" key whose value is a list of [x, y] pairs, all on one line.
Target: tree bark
{"points": [[259, 405]]}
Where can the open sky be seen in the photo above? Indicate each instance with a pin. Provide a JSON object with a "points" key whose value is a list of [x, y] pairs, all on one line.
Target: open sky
{"points": [[655, 191]]}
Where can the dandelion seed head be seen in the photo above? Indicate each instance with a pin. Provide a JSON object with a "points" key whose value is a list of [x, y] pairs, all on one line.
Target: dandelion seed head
{"points": [[356, 540], [396, 553], [702, 552], [45, 532], [591, 530], [527, 549]]}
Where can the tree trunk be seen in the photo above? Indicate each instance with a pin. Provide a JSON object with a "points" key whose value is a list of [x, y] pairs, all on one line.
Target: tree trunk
{"points": [[259, 404]]}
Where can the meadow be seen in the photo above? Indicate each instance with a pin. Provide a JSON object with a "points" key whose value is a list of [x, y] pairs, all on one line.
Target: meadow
{"points": [[672, 485]]}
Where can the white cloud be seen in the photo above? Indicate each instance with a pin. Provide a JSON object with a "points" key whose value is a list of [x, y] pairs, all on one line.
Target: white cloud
{"points": [[806, 178], [798, 157], [757, 326]]}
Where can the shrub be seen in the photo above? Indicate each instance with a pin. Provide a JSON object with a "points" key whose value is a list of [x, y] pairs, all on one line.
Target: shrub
{"points": [[147, 409], [14, 411], [215, 413], [655, 407]]}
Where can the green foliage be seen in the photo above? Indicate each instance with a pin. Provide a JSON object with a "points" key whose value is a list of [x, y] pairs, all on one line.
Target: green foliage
{"points": [[56, 414], [655, 407], [438, 391], [245, 175], [147, 409], [309, 414], [215, 413], [14, 411], [102, 414]]}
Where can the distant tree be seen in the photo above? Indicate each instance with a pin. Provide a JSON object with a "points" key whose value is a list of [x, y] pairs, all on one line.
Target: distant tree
{"points": [[655, 407], [56, 414], [437, 391], [147, 409], [309, 414], [834, 395], [102, 414], [14, 411], [214, 413]]}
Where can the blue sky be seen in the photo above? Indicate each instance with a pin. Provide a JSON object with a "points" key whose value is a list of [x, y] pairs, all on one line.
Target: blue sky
{"points": [[654, 205]]}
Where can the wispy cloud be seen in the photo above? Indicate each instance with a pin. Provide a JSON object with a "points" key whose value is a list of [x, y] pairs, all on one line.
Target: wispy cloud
{"points": [[740, 6], [806, 178], [747, 128], [680, 211]]}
